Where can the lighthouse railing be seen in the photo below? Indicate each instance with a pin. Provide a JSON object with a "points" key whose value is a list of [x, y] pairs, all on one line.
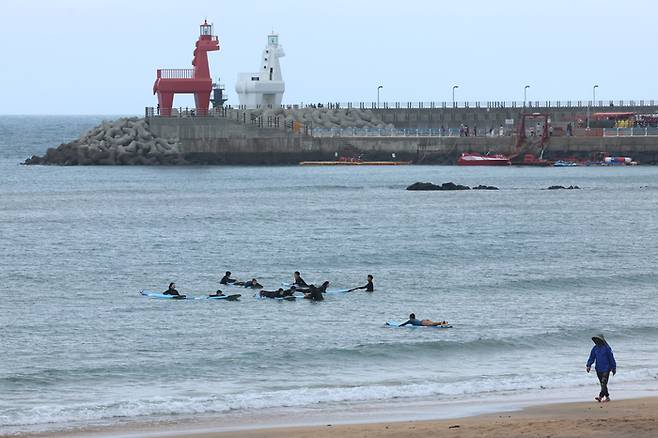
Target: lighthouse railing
{"points": [[175, 73]]}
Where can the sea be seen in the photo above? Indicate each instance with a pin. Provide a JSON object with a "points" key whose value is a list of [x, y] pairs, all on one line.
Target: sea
{"points": [[525, 275]]}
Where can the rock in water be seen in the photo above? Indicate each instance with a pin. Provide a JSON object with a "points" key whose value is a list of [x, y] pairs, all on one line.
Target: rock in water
{"points": [[423, 186], [563, 188], [430, 186]]}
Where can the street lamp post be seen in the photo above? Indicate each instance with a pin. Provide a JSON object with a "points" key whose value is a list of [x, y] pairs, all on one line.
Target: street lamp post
{"points": [[588, 106], [525, 94], [378, 88], [453, 95]]}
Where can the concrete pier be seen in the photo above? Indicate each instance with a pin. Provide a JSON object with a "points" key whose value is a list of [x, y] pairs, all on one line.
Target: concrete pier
{"points": [[220, 140]]}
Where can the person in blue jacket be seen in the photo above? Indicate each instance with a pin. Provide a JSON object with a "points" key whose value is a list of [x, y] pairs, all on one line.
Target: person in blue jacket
{"points": [[605, 364]]}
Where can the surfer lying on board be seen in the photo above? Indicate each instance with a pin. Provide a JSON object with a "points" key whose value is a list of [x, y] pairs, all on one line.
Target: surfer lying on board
{"points": [[369, 287], [226, 279], [279, 293], [171, 290], [315, 293], [218, 293], [252, 284], [421, 322]]}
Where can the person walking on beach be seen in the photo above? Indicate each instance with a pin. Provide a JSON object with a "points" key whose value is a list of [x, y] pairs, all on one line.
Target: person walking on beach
{"points": [[605, 364]]}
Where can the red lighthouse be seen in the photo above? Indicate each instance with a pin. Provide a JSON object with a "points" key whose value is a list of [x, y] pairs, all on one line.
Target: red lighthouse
{"points": [[194, 80]]}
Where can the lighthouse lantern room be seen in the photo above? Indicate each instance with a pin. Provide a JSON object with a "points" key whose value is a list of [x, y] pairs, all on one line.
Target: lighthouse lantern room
{"points": [[205, 29]]}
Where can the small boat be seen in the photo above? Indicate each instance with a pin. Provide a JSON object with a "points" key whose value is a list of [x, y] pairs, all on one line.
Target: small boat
{"points": [[474, 159]]}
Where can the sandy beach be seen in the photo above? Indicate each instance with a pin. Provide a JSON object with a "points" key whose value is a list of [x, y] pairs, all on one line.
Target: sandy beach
{"points": [[632, 418], [628, 418]]}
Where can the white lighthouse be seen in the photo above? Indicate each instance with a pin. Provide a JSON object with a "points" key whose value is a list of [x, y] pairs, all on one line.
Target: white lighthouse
{"points": [[264, 88]]}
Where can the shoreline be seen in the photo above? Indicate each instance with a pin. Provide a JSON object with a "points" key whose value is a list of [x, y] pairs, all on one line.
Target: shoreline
{"points": [[384, 419], [630, 418]]}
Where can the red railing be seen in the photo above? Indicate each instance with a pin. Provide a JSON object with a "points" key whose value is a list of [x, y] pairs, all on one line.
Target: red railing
{"points": [[176, 73]]}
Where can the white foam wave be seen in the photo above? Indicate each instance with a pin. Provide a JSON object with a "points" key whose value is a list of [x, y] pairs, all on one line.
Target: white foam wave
{"points": [[58, 416]]}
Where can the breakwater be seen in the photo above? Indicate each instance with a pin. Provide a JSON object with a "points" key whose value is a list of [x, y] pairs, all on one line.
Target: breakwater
{"points": [[225, 141], [123, 141], [262, 137]]}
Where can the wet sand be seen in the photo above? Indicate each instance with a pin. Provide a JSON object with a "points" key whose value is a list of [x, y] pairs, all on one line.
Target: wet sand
{"points": [[636, 418], [631, 418]]}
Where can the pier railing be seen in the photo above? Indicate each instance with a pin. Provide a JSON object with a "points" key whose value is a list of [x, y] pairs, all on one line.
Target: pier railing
{"points": [[529, 105], [630, 132], [457, 132], [405, 132]]}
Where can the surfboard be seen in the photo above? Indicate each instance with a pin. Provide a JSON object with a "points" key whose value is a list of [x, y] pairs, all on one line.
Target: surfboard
{"points": [[233, 297], [396, 324], [291, 298], [337, 291], [162, 296]]}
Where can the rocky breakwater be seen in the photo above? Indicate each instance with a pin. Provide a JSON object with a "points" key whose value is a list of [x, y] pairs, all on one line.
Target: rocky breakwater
{"points": [[323, 117], [120, 142]]}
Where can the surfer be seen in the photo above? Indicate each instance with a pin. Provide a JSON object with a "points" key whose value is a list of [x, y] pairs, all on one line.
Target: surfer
{"points": [[279, 293], [218, 293], [171, 290], [422, 322], [315, 293], [226, 279], [252, 284], [605, 364], [298, 281], [369, 287]]}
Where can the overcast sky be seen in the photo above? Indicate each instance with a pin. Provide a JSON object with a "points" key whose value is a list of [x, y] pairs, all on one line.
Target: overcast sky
{"points": [[100, 56]]}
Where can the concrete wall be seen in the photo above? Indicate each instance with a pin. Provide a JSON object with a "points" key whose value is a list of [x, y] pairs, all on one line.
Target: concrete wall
{"points": [[224, 141]]}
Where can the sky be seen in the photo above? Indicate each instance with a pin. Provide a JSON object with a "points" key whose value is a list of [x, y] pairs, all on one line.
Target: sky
{"points": [[100, 56]]}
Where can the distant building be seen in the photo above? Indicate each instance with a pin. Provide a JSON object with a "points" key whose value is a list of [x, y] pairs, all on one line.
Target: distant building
{"points": [[265, 87]]}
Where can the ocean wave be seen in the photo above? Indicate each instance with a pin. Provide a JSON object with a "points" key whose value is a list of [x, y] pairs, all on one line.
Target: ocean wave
{"points": [[382, 352], [403, 349], [58, 416]]}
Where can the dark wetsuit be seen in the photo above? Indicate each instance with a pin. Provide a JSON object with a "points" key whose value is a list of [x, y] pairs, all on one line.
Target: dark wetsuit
{"points": [[276, 293], [368, 287], [171, 292], [300, 282], [226, 280], [270, 293], [253, 285], [314, 294]]}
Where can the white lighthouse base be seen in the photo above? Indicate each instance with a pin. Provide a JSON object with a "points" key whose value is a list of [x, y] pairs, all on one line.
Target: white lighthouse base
{"points": [[254, 93]]}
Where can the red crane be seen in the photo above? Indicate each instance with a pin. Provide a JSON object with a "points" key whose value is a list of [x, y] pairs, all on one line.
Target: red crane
{"points": [[195, 80], [523, 153]]}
